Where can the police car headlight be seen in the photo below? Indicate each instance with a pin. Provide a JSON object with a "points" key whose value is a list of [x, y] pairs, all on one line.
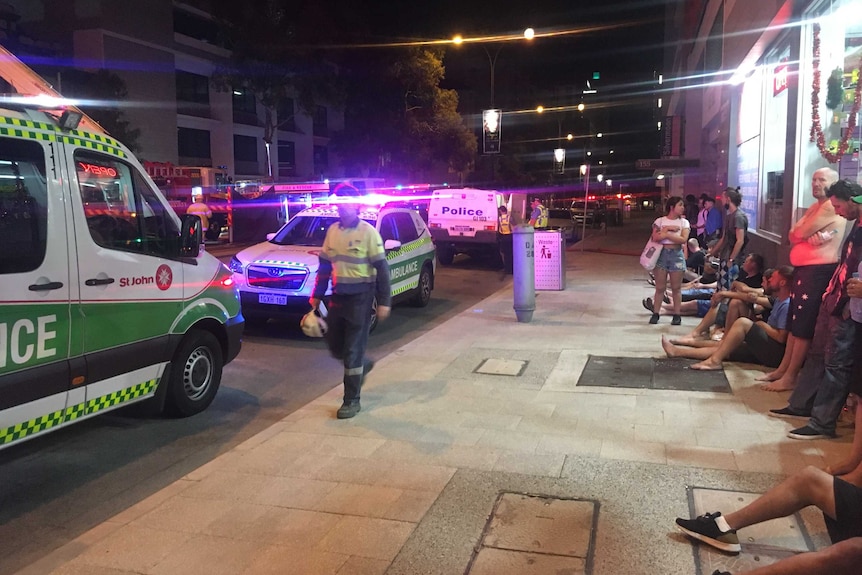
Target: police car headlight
{"points": [[235, 265]]}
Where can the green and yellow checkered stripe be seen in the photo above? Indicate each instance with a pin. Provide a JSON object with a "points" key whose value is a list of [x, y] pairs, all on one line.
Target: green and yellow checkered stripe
{"points": [[51, 133], [71, 413], [406, 249], [402, 289]]}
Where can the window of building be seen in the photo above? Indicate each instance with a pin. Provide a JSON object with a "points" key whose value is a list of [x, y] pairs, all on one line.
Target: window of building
{"points": [[245, 154], [192, 143], [286, 158], [244, 106], [192, 88], [123, 212], [286, 115], [775, 101], [198, 27], [321, 159], [23, 206], [321, 128]]}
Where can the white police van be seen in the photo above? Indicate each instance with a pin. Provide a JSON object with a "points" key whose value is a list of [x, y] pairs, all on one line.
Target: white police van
{"points": [[105, 299], [464, 220], [276, 277]]}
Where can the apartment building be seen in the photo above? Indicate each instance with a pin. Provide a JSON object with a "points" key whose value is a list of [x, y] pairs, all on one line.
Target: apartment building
{"points": [[166, 52]]}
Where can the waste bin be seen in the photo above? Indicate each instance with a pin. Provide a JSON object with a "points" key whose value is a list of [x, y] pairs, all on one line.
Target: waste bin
{"points": [[550, 260]]}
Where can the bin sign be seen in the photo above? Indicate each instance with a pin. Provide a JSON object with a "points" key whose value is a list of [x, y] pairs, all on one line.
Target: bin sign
{"points": [[491, 124]]}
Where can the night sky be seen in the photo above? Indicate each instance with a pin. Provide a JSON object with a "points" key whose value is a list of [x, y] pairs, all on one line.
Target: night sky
{"points": [[553, 70]]}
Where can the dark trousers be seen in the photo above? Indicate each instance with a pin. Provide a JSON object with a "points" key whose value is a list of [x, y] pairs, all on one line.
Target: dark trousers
{"points": [[348, 321], [504, 242], [824, 381]]}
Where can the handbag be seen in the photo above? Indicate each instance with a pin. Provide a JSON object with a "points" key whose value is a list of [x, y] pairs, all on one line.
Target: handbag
{"points": [[649, 257]]}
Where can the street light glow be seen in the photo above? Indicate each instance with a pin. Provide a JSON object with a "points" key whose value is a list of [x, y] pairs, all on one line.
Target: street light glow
{"points": [[540, 109], [529, 33], [583, 169], [589, 153], [457, 39], [600, 177], [599, 135], [581, 107], [569, 137]]}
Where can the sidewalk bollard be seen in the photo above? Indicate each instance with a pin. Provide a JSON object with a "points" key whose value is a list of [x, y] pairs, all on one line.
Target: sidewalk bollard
{"points": [[524, 273]]}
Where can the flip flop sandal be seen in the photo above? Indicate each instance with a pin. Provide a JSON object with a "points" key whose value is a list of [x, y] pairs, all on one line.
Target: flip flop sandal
{"points": [[647, 303]]}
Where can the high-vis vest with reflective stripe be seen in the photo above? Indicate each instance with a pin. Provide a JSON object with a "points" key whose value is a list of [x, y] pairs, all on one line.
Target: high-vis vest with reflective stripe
{"points": [[505, 225], [542, 220], [352, 252]]}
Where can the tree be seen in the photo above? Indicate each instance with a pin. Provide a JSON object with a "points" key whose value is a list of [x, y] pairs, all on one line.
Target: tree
{"points": [[276, 54], [398, 121], [101, 92]]}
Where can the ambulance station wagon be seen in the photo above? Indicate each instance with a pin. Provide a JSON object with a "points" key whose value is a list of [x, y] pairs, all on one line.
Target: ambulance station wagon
{"points": [[105, 299], [276, 277]]}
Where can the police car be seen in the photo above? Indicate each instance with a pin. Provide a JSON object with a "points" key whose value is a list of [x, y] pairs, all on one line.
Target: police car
{"points": [[276, 277]]}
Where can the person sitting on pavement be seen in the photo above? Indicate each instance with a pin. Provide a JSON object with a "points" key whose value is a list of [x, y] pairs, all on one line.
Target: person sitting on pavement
{"points": [[748, 303], [695, 261], [822, 386], [836, 491], [815, 240], [745, 341], [697, 301]]}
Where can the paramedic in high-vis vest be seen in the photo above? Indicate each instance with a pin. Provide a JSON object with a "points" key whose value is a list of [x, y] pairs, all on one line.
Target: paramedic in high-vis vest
{"points": [[539, 215], [504, 238], [353, 257]]}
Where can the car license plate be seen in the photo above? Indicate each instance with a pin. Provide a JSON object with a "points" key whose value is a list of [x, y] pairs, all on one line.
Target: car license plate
{"points": [[462, 228], [272, 299]]}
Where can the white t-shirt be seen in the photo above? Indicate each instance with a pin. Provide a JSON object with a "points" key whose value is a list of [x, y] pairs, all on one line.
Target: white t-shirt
{"points": [[678, 224]]}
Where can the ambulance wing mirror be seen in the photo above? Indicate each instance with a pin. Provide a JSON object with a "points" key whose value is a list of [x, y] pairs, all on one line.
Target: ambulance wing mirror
{"points": [[191, 236], [391, 245]]}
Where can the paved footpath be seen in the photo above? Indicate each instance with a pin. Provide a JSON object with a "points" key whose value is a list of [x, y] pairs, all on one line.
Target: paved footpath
{"points": [[453, 466]]}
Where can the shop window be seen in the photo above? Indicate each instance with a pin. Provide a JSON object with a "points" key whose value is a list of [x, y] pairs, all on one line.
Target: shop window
{"points": [[773, 215], [840, 39], [321, 127], [286, 115]]}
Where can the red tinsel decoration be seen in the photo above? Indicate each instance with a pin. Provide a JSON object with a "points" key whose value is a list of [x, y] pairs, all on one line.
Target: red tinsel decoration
{"points": [[816, 130]]}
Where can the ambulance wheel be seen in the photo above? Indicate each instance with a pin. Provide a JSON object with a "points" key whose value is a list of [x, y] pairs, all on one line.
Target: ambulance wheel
{"points": [[195, 374], [446, 256], [423, 290], [374, 320]]}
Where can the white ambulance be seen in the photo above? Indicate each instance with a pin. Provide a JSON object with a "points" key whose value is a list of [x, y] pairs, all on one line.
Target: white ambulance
{"points": [[105, 299], [464, 221], [276, 277]]}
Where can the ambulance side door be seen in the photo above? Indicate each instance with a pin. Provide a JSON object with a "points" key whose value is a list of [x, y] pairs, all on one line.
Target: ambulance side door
{"points": [[131, 289], [35, 289]]}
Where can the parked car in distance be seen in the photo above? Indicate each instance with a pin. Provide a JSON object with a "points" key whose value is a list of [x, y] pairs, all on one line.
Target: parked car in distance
{"points": [[595, 213], [561, 218]]}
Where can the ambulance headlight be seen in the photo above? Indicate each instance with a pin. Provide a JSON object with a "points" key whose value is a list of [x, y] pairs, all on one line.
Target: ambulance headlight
{"points": [[235, 265]]}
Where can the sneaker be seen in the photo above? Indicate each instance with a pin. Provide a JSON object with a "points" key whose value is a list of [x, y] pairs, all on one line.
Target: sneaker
{"points": [[809, 432], [654, 318], [348, 409], [785, 412], [704, 528], [676, 320]]}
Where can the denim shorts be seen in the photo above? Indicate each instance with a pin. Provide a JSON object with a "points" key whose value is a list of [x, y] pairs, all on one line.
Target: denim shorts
{"points": [[671, 259]]}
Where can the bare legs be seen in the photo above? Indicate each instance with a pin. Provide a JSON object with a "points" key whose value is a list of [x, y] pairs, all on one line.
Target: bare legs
{"points": [[660, 286], [711, 357], [676, 290], [784, 376]]}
